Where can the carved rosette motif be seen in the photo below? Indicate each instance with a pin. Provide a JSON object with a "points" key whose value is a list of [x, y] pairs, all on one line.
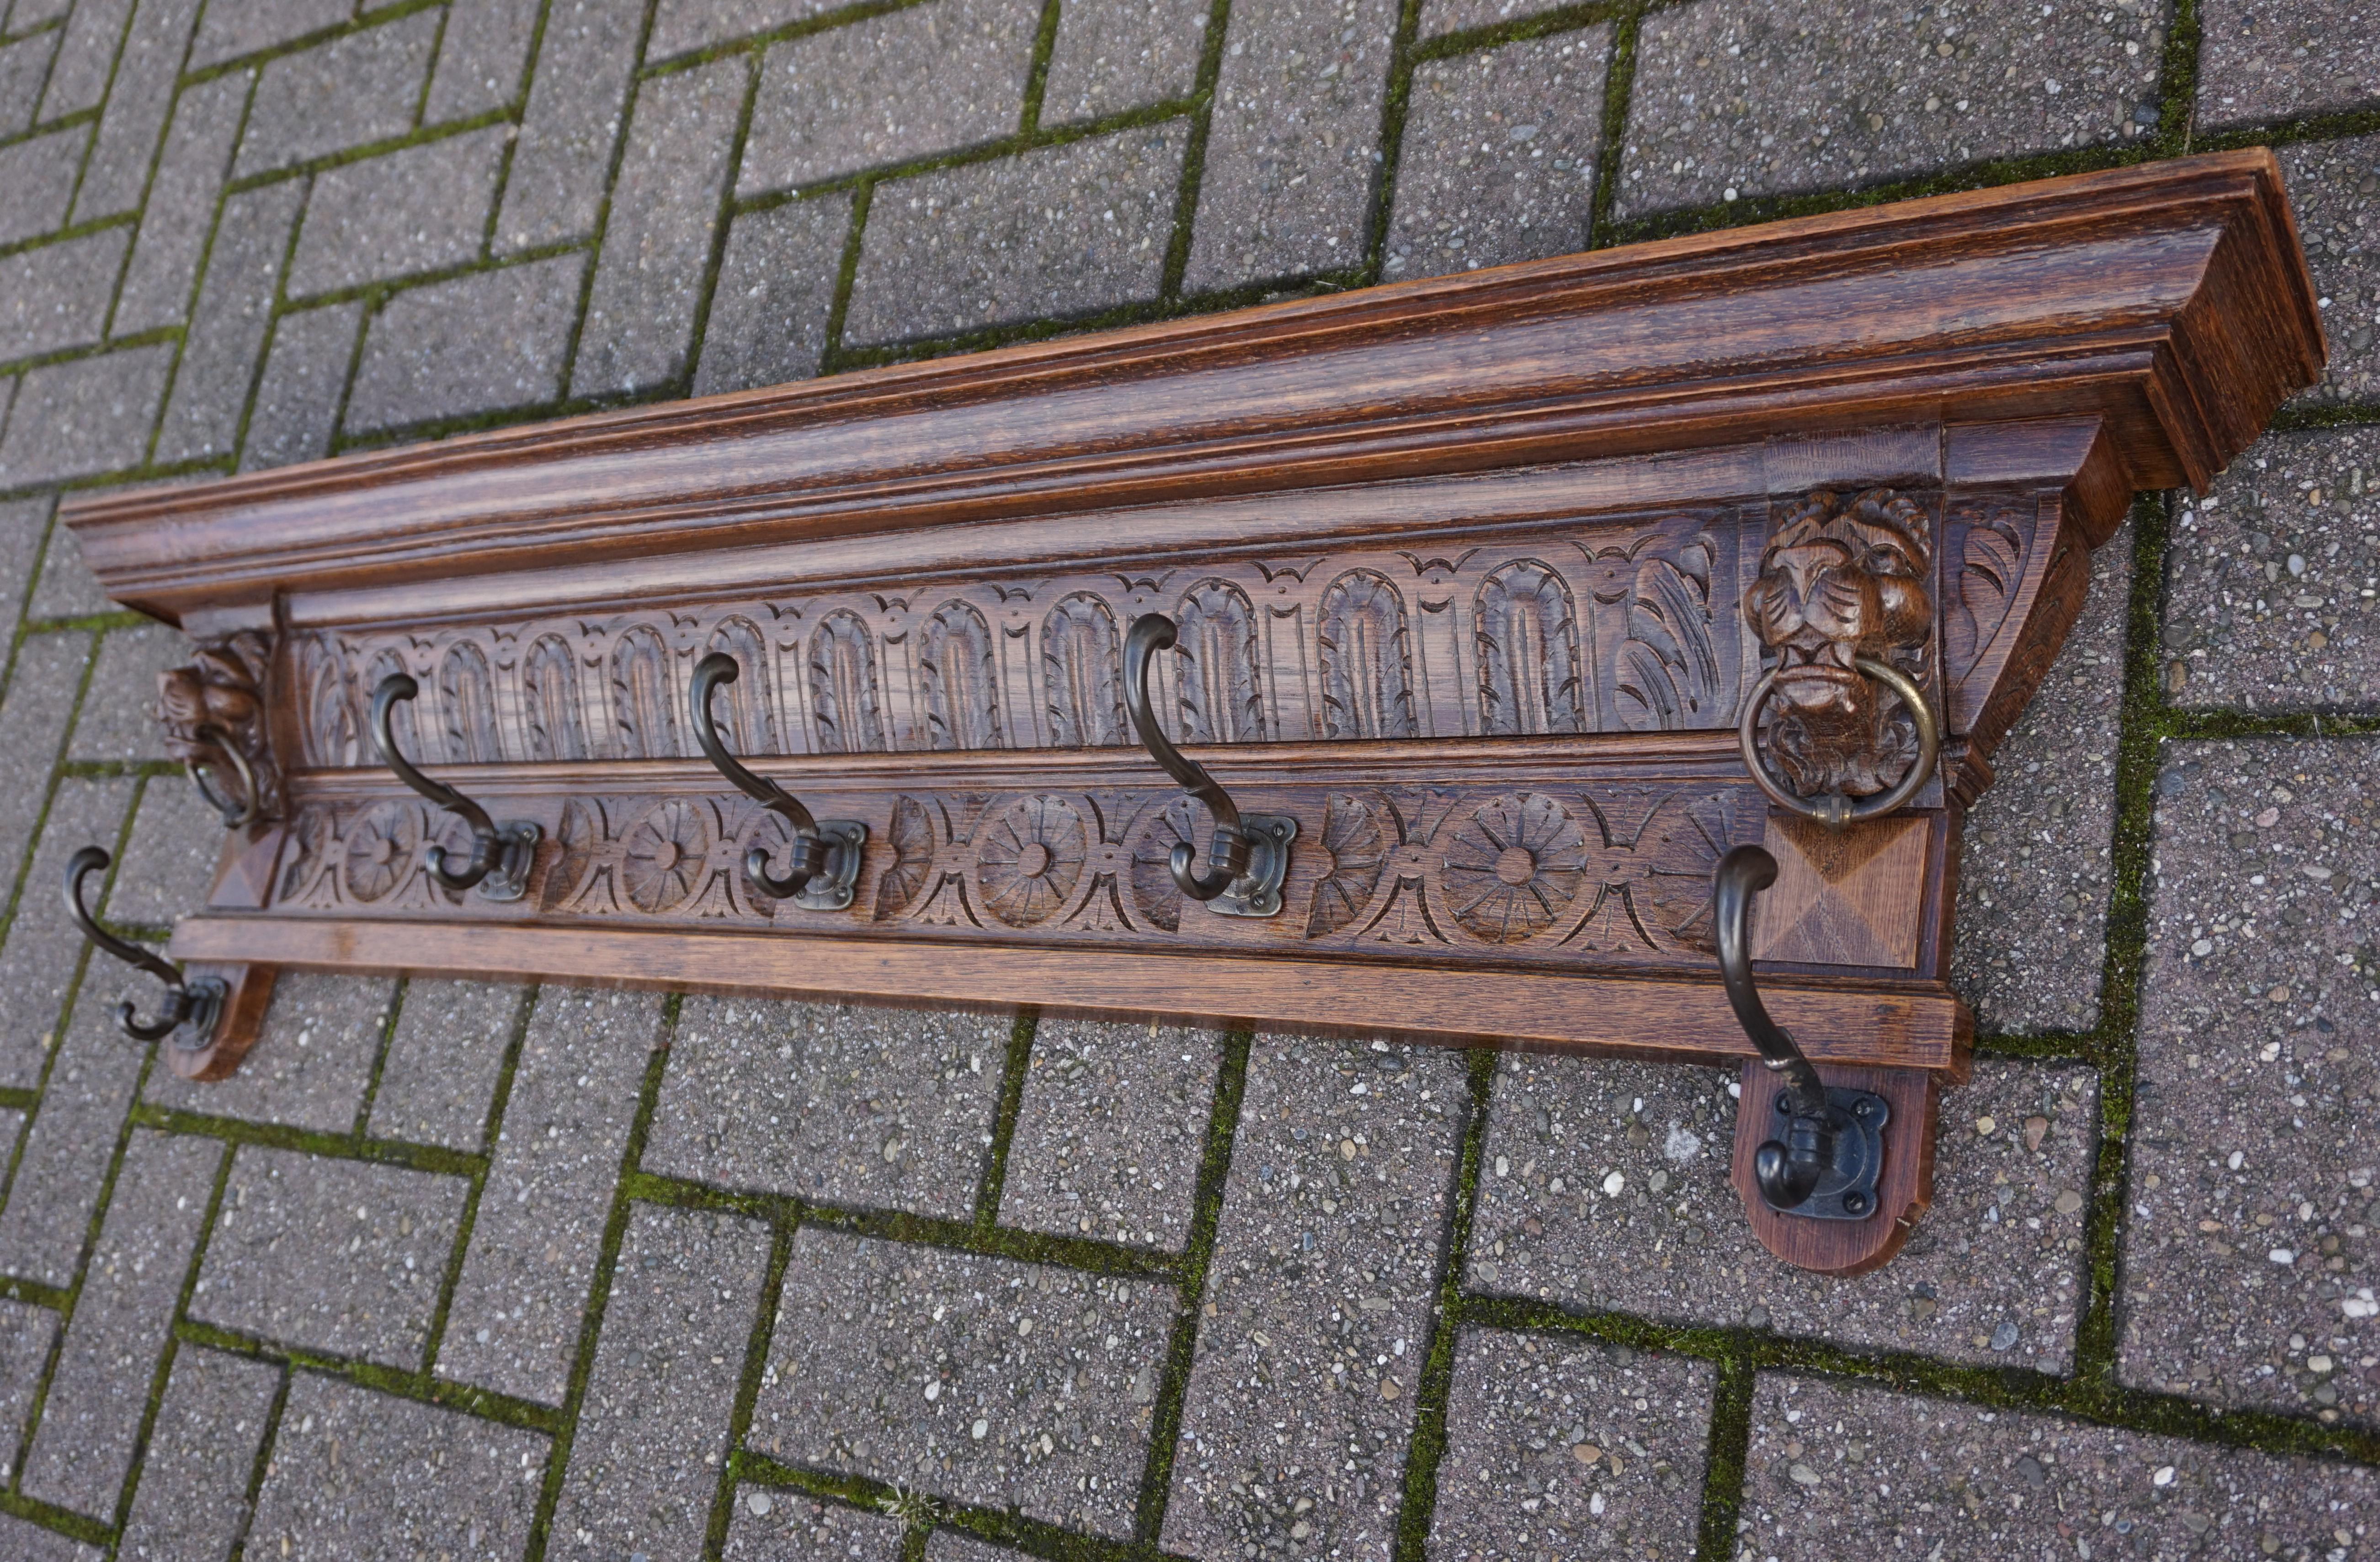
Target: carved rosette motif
{"points": [[1513, 867], [1840, 579], [1355, 849], [663, 856], [1029, 859], [214, 708]]}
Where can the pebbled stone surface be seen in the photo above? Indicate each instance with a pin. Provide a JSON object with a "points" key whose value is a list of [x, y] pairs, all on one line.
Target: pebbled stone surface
{"points": [[86, 415], [418, 209], [181, 204], [24, 68], [653, 1424], [1112, 1131], [2032, 942], [340, 1257], [443, 1060], [193, 1500], [362, 1475], [61, 1172], [1064, 230], [776, 288], [27, 1332], [312, 1060], [1290, 154], [229, 325], [1771, 99], [1115, 55], [86, 50], [2334, 191], [1608, 1442], [37, 962], [64, 586], [2262, 60], [979, 1379], [584, 60], [168, 864], [228, 31], [1319, 1299], [2265, 579], [297, 400], [122, 1316], [772, 1525], [353, 89], [480, 342], [2241, 1283], [683, 25], [481, 56], [118, 720], [30, 1542], [1499, 155], [514, 1323], [907, 84], [1842, 1472], [1603, 1187], [56, 296], [886, 1108], [37, 178], [138, 95]]}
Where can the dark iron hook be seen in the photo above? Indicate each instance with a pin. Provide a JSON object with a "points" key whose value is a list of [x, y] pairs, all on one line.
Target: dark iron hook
{"points": [[824, 861], [249, 808], [1827, 1164], [196, 1000], [500, 856], [1229, 853]]}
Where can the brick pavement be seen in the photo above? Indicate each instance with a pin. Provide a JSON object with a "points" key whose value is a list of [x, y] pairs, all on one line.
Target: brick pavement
{"points": [[467, 1270]]}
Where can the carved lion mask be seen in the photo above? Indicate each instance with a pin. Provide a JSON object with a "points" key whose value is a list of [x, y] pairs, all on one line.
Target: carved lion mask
{"points": [[1839, 582]]}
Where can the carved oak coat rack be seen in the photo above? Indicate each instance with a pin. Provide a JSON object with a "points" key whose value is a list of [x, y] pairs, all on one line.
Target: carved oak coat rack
{"points": [[1515, 601]]}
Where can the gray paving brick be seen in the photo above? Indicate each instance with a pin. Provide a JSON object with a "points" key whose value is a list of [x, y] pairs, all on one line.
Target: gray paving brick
{"points": [[228, 31], [305, 379], [22, 525], [2335, 189], [86, 52], [907, 84], [352, 90], [780, 1526], [341, 1257], [665, 209], [1112, 1131], [367, 1477], [951, 1546], [123, 1318], [27, 1331], [192, 1499], [230, 323], [1559, 1447], [40, 700], [66, 589], [1440, 17], [168, 865], [2268, 579], [981, 1379], [1499, 155], [419, 208], [489, 340], [2265, 60], [514, 1323], [882, 1108], [64, 1166], [480, 58], [1056, 231], [1115, 55], [37, 964], [312, 1060], [2032, 914], [181, 206], [28, 1541], [37, 178], [776, 286], [56, 296], [2247, 1241], [90, 415], [683, 25], [652, 1426], [1292, 153], [576, 99], [1319, 1296], [443, 1057], [138, 100], [33, 13], [1990, 1276], [24, 68], [119, 711], [1768, 99], [1845, 1473]]}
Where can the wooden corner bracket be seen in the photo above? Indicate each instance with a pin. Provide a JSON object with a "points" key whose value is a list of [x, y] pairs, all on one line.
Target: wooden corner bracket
{"points": [[1506, 605]]}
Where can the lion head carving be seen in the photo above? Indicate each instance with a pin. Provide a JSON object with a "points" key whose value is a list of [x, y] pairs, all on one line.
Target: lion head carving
{"points": [[1839, 581], [217, 700]]}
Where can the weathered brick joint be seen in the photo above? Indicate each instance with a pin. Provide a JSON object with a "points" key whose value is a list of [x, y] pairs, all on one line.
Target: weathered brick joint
{"points": [[452, 1269]]}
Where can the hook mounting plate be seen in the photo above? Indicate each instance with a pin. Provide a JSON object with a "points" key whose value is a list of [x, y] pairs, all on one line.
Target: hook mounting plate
{"points": [[209, 996], [1256, 893], [1846, 1189], [517, 842], [833, 888]]}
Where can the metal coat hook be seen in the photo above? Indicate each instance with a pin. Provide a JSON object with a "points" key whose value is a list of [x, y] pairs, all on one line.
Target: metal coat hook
{"points": [[1248, 857], [246, 809], [196, 1002], [501, 855], [823, 869], [1827, 1165]]}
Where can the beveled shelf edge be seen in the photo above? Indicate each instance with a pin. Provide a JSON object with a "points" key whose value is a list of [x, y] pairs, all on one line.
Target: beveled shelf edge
{"points": [[1917, 1025]]}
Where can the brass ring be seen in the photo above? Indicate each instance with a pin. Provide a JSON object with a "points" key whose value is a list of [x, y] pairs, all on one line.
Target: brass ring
{"points": [[1835, 810], [247, 812]]}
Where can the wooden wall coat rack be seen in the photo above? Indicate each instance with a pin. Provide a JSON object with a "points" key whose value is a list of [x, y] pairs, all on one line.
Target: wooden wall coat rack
{"points": [[1510, 606]]}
